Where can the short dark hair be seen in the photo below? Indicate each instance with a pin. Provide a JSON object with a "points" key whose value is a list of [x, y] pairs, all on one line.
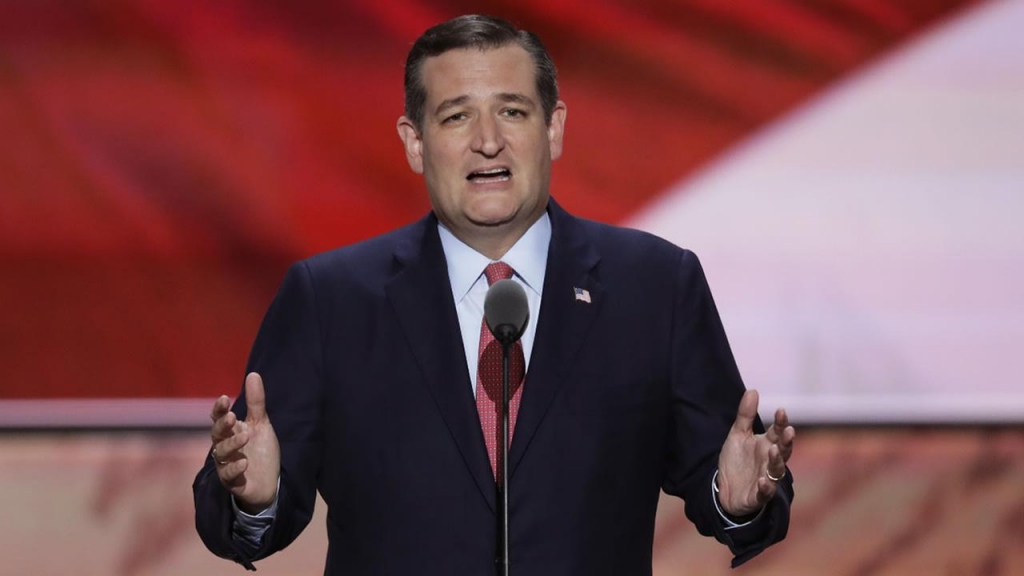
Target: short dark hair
{"points": [[476, 31]]}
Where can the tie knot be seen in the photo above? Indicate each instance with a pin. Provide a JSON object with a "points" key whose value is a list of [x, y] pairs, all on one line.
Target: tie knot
{"points": [[497, 271]]}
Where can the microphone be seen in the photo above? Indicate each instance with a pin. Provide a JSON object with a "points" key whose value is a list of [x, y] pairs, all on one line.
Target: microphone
{"points": [[506, 311]]}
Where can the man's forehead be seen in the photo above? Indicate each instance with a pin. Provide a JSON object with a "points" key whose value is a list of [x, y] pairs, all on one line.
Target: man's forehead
{"points": [[469, 73]]}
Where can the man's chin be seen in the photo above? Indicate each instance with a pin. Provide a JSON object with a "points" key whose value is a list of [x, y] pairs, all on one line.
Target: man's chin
{"points": [[492, 220], [505, 217], [492, 223]]}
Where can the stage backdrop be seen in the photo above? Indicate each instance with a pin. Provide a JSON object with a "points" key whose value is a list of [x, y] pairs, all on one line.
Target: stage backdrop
{"points": [[850, 173]]}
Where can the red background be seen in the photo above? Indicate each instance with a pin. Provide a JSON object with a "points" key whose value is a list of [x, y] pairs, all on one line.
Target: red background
{"points": [[161, 163]]}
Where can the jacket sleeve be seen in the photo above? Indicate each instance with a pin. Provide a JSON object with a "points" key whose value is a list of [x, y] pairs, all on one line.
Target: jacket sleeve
{"points": [[287, 353], [706, 391]]}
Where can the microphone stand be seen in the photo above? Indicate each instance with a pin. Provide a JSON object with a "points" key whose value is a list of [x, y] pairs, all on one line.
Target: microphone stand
{"points": [[506, 312], [503, 482]]}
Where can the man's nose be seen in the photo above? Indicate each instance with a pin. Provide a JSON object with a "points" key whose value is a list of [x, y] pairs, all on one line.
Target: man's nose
{"points": [[488, 139]]}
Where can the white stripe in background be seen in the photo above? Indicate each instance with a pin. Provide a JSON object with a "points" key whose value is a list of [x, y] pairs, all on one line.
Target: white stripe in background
{"points": [[867, 251]]}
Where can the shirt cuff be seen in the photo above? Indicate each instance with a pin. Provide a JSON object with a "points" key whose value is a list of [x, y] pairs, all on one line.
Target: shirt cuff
{"points": [[250, 528], [729, 524]]}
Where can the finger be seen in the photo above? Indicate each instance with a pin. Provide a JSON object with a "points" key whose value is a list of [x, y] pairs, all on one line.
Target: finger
{"points": [[223, 427], [776, 464], [781, 422], [746, 413], [232, 474], [765, 490], [786, 443], [255, 399], [228, 450], [220, 408]]}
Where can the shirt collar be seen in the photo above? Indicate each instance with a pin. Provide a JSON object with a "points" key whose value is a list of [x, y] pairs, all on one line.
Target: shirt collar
{"points": [[528, 257]]}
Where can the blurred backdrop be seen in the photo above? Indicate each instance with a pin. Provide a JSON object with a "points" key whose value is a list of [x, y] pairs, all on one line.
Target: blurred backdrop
{"points": [[850, 172]]}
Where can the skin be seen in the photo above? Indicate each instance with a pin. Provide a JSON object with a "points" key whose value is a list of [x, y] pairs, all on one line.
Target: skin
{"points": [[483, 111], [246, 453], [743, 485]]}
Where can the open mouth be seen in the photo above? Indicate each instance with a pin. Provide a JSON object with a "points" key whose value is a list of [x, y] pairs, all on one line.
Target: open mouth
{"points": [[490, 175]]}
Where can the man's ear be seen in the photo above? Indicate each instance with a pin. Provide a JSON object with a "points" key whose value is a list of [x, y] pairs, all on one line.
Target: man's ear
{"points": [[556, 129], [413, 144]]}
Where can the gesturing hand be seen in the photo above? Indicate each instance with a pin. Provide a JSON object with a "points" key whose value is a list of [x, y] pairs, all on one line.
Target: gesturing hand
{"points": [[246, 453], [750, 465]]}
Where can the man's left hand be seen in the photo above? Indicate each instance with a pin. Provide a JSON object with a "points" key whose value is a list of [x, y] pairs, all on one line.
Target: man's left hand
{"points": [[750, 465]]}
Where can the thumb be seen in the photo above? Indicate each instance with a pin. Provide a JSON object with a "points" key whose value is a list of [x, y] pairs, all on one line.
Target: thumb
{"points": [[747, 411], [255, 398]]}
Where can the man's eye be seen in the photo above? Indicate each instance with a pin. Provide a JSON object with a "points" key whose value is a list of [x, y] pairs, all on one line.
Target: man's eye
{"points": [[513, 112], [454, 117]]}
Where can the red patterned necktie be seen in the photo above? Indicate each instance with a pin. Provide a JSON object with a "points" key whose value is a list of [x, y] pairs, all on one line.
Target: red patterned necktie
{"points": [[489, 376]]}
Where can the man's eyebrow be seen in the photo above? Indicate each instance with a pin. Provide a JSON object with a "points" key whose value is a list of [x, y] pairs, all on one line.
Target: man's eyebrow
{"points": [[516, 98], [508, 97], [451, 103]]}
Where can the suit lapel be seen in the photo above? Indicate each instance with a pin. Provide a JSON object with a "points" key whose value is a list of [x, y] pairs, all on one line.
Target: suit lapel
{"points": [[421, 296], [563, 324]]}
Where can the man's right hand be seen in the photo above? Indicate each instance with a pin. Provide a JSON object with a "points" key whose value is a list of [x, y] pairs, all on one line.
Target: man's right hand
{"points": [[246, 453]]}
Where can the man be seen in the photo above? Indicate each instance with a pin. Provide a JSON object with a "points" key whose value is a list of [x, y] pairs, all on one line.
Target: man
{"points": [[370, 377]]}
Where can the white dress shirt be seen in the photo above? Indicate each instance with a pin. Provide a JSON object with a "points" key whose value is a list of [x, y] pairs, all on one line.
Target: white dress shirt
{"points": [[528, 257]]}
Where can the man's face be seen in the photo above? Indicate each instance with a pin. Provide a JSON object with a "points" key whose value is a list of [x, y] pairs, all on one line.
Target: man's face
{"points": [[484, 148]]}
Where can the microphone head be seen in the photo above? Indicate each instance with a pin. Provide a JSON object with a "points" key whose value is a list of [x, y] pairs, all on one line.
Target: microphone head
{"points": [[506, 310]]}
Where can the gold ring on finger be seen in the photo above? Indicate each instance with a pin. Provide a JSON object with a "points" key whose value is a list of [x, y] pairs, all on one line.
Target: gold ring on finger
{"points": [[768, 473]]}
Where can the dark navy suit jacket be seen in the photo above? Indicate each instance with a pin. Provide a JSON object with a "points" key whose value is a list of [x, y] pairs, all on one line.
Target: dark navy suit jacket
{"points": [[368, 391]]}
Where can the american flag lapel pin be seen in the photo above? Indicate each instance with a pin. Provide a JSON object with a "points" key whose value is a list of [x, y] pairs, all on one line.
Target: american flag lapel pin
{"points": [[582, 295]]}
